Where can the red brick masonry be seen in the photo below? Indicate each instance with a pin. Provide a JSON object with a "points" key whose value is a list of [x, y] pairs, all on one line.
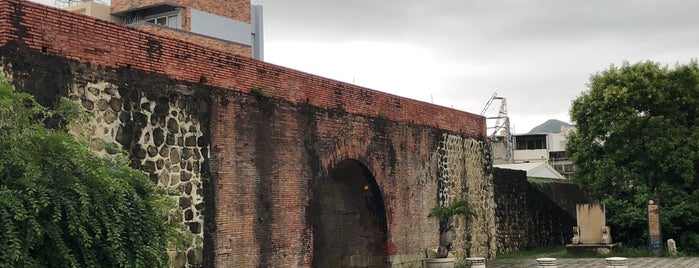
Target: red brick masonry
{"points": [[88, 40], [275, 133]]}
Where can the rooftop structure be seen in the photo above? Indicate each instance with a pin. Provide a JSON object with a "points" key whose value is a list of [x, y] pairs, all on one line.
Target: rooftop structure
{"points": [[535, 170], [228, 25], [545, 147]]}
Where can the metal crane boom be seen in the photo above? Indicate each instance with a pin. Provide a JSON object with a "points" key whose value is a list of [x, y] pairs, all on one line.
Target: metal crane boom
{"points": [[502, 123]]}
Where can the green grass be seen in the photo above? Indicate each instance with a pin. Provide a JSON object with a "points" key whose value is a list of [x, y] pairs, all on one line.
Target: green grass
{"points": [[538, 180], [542, 252], [560, 252], [632, 252]]}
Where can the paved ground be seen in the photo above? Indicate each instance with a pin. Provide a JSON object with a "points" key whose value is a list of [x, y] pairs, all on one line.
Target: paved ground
{"points": [[599, 263]]}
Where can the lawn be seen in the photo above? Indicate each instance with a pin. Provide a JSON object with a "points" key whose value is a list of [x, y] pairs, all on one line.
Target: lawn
{"points": [[560, 253]]}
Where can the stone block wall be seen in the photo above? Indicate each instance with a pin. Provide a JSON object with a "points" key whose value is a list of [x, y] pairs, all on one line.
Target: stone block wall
{"points": [[525, 217], [464, 174], [514, 219], [164, 131], [162, 125]]}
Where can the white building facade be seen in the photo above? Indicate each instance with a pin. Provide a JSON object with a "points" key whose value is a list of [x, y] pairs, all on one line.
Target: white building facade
{"points": [[544, 147]]}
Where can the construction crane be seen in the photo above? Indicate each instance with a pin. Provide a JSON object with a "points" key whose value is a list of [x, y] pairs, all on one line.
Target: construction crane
{"points": [[502, 124]]}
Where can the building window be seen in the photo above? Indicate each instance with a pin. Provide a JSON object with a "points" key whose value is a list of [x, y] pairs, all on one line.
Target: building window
{"points": [[559, 168], [569, 168], [531, 143], [558, 155], [166, 20]]}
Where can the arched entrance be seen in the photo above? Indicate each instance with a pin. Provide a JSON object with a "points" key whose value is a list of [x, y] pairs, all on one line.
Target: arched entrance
{"points": [[349, 218]]}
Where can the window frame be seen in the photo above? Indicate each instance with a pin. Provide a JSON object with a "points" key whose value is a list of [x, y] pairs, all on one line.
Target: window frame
{"points": [[167, 17], [531, 142]]}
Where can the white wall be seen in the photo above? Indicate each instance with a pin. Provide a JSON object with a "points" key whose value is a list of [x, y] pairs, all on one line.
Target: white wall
{"points": [[530, 155]]}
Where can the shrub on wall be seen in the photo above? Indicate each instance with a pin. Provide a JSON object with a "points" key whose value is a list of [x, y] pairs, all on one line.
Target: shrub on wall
{"points": [[63, 205]]}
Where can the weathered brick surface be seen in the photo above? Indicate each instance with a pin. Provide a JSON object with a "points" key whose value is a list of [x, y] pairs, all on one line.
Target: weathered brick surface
{"points": [[274, 153], [275, 133], [81, 38]]}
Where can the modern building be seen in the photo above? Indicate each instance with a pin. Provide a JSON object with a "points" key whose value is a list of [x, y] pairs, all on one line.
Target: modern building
{"points": [[228, 25], [94, 9], [544, 147]]}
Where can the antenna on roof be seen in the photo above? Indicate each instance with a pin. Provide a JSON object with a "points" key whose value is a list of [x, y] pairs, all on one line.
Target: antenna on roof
{"points": [[70, 3]]}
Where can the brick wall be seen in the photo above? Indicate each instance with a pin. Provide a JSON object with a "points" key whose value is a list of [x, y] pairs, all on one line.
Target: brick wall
{"points": [[273, 154], [266, 157], [275, 132], [98, 42], [234, 9]]}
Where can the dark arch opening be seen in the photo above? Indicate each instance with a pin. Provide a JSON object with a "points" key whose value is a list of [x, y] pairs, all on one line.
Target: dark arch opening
{"points": [[349, 218]]}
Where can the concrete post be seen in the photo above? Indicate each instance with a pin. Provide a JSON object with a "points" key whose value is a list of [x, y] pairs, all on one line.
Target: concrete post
{"points": [[546, 263], [617, 262], [475, 262]]}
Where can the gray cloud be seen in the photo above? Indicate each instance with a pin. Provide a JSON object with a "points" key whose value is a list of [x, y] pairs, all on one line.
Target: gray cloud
{"points": [[491, 20], [538, 53]]}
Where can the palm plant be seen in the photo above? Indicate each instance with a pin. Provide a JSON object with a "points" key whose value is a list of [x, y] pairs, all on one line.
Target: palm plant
{"points": [[445, 214]]}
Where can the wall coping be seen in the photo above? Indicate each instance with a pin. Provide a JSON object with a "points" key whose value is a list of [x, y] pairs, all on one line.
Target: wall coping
{"points": [[28, 26]]}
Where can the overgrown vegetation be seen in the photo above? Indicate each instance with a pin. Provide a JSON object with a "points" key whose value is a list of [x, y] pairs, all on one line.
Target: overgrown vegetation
{"points": [[638, 138], [262, 92], [61, 205], [383, 115]]}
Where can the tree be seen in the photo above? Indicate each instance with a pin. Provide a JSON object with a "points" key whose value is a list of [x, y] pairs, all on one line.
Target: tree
{"points": [[61, 205], [638, 137]]}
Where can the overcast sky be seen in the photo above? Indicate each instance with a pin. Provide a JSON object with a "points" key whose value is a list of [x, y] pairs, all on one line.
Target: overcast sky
{"points": [[539, 54]]}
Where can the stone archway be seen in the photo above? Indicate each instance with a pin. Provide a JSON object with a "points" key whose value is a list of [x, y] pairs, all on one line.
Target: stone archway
{"points": [[349, 218]]}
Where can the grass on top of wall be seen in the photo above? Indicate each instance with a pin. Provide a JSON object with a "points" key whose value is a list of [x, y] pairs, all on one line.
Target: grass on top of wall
{"points": [[538, 180]]}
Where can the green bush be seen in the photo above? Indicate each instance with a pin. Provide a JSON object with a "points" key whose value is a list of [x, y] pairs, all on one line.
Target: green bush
{"points": [[61, 205], [627, 215], [637, 138]]}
